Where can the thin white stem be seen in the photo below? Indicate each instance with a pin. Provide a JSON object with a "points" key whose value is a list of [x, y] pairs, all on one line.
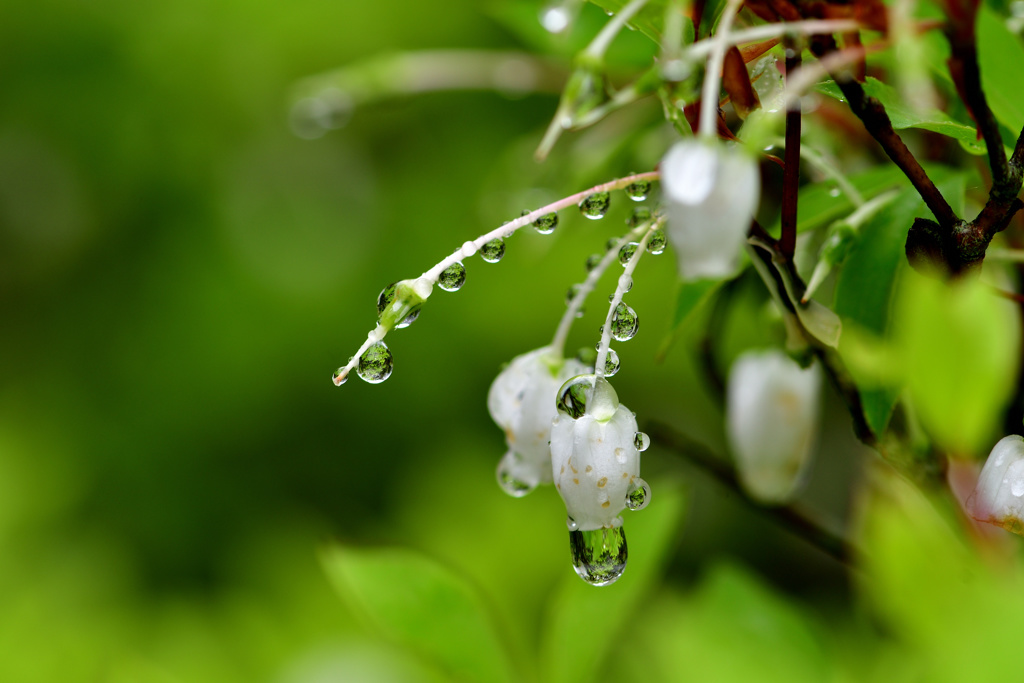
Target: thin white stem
{"points": [[425, 283], [587, 286], [1011, 255], [599, 45], [713, 74], [623, 285], [702, 48]]}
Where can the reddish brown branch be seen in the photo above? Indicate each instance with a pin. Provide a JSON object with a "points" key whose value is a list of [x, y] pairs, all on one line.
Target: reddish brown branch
{"points": [[791, 174]]}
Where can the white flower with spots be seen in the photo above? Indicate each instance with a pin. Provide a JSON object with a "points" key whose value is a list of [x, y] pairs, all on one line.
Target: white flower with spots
{"points": [[522, 402], [711, 191], [998, 497], [771, 419]]}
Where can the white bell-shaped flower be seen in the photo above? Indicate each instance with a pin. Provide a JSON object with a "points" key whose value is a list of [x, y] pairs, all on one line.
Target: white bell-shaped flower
{"points": [[772, 422], [711, 190], [595, 456], [522, 402], [998, 497]]}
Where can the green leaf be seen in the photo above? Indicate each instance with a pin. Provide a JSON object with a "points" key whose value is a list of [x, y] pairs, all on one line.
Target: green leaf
{"points": [[731, 628], [650, 20], [903, 116], [958, 346], [864, 288], [585, 621], [817, 206], [422, 605], [1000, 58]]}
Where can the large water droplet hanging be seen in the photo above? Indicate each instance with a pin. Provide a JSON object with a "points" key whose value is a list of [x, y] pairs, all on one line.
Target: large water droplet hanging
{"points": [[625, 323], [340, 376], [572, 397], [611, 363], [592, 261], [641, 214], [546, 224], [598, 556], [395, 303], [595, 206], [626, 252], [641, 441], [656, 243], [638, 190], [638, 495], [507, 480], [493, 251], [452, 278], [376, 363]]}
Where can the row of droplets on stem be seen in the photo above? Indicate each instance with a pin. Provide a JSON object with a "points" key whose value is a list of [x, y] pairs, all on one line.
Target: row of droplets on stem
{"points": [[592, 202]]}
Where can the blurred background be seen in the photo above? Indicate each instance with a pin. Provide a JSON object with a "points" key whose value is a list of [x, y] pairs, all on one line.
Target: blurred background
{"points": [[182, 268]]}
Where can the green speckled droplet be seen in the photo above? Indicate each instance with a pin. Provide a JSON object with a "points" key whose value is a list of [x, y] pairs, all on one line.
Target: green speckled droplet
{"points": [[493, 251], [376, 363], [626, 252], [452, 278], [656, 243], [596, 205], [546, 224], [638, 190], [598, 556], [625, 323]]}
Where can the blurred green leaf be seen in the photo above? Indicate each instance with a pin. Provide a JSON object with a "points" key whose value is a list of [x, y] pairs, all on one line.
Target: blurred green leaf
{"points": [[959, 348], [419, 603], [903, 116], [650, 20], [584, 621], [733, 628], [945, 607], [864, 288], [1000, 56]]}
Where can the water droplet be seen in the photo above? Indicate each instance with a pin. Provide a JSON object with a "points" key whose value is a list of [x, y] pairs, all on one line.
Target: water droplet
{"points": [[595, 206], [611, 244], [1017, 487], [641, 441], [626, 252], [656, 244], [638, 190], [834, 192], [493, 250], [625, 323], [611, 363], [571, 523], [508, 482], [340, 376], [572, 397], [574, 290], [546, 224], [376, 363], [452, 278], [592, 261], [598, 556], [641, 214], [638, 495], [397, 302]]}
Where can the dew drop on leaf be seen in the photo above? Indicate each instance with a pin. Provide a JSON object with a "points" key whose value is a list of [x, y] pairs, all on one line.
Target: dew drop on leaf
{"points": [[595, 206], [638, 190], [638, 495], [546, 224], [493, 251], [452, 278], [376, 363], [598, 556], [625, 323], [656, 243]]}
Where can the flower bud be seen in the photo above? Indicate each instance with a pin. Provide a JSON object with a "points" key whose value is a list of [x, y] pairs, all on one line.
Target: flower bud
{"points": [[711, 191], [771, 417], [998, 497], [522, 402], [595, 458]]}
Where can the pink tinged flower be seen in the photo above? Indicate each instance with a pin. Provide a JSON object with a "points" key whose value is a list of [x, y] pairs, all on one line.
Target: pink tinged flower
{"points": [[522, 402], [595, 456], [711, 191], [998, 497], [771, 420]]}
